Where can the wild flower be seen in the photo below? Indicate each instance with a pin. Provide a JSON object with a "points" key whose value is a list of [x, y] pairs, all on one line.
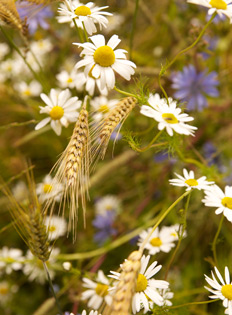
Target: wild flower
{"points": [[97, 292], [193, 87], [101, 60], [104, 226], [49, 188], [85, 16], [56, 226], [61, 108], [215, 197], [169, 116], [190, 182], [6, 291], [25, 90], [41, 47], [108, 203], [20, 192], [73, 79], [101, 106], [10, 259], [4, 50], [221, 289]]}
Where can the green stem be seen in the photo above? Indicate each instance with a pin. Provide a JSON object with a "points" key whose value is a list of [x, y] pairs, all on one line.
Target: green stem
{"points": [[80, 35], [85, 33], [183, 51], [52, 289], [161, 218], [150, 144], [180, 238], [124, 93], [141, 150], [133, 28], [36, 76], [193, 303], [215, 240]]}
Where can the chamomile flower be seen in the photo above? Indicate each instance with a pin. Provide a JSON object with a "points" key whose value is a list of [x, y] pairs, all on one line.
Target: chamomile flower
{"points": [[173, 231], [159, 241], [10, 259], [6, 291], [49, 188], [34, 88], [101, 106], [169, 117], [56, 226], [102, 60], [146, 286], [85, 15], [91, 84], [71, 79], [166, 295], [4, 50], [97, 291], [41, 47], [190, 182], [215, 197], [222, 7], [107, 203], [61, 108], [221, 289]]}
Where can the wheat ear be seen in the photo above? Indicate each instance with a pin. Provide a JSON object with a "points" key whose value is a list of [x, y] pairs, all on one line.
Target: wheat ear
{"points": [[72, 170], [9, 14], [103, 131], [125, 289], [44, 2]]}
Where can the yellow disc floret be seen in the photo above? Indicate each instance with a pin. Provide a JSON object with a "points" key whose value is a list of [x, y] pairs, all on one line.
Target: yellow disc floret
{"points": [[102, 289], [82, 11], [170, 118], [104, 109], [104, 56], [191, 182], [141, 284], [227, 202], [52, 228], [218, 4], [56, 113], [47, 188], [4, 291], [156, 241], [227, 291]]}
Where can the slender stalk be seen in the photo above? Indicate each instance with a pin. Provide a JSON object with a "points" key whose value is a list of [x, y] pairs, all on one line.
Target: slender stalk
{"points": [[124, 93], [183, 51], [193, 303], [180, 238], [148, 147], [133, 28], [161, 218], [80, 35], [52, 289], [85, 32], [215, 240]]}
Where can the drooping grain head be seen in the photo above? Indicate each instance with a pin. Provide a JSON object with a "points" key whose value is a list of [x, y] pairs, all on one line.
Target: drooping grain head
{"points": [[9, 15]]}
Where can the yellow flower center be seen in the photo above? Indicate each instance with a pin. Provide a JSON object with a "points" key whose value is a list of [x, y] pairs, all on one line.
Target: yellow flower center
{"points": [[103, 108], [47, 188], [104, 56], [4, 291], [27, 92], [218, 4], [56, 113], [174, 234], [170, 118], [82, 10], [70, 80], [141, 284], [227, 291], [191, 182], [227, 202], [156, 242], [102, 289], [52, 228]]}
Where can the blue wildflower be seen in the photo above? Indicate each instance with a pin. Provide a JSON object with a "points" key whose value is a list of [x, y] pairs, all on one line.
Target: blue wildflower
{"points": [[104, 224], [193, 87], [36, 15]]}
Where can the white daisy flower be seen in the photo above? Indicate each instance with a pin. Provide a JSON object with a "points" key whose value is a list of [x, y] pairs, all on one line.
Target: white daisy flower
{"points": [[107, 203], [173, 230], [102, 60], [97, 291], [91, 313], [71, 79], [190, 182], [6, 291], [87, 15], [4, 50], [91, 83], [9, 68], [115, 21], [101, 106], [41, 47], [61, 108], [222, 7], [166, 295], [34, 269], [146, 287], [159, 241], [10, 259], [56, 226], [168, 116], [49, 188], [221, 289], [34, 88], [20, 191], [215, 197]]}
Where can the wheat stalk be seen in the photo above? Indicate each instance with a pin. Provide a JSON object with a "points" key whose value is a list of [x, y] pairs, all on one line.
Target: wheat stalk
{"points": [[72, 170], [9, 14], [103, 131], [125, 289]]}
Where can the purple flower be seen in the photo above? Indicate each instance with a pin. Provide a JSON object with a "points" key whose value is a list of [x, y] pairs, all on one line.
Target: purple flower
{"points": [[36, 15], [193, 87], [104, 224]]}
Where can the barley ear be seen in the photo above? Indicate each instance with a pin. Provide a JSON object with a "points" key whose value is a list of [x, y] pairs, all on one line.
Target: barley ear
{"points": [[9, 14]]}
